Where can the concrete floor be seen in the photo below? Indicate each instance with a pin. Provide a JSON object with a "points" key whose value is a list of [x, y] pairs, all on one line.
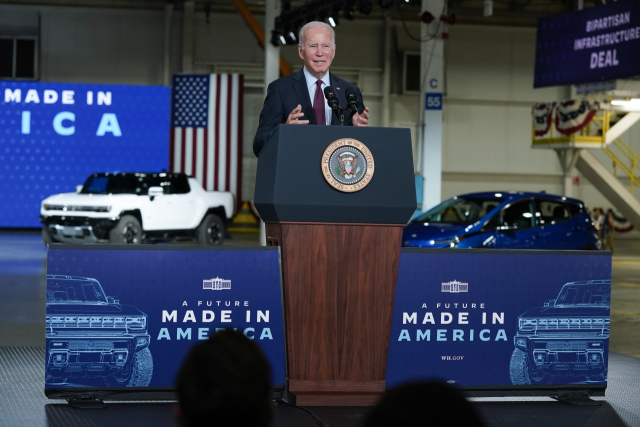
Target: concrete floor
{"points": [[625, 298], [23, 290]]}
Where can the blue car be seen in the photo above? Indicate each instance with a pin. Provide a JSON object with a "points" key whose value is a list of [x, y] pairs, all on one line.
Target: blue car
{"points": [[504, 220]]}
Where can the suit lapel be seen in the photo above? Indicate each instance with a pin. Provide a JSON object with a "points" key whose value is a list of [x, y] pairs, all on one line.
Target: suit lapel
{"points": [[300, 86]]}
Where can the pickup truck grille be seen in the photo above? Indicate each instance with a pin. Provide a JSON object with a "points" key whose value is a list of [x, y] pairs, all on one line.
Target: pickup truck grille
{"points": [[567, 346], [73, 208], [558, 324], [90, 345], [102, 322]]}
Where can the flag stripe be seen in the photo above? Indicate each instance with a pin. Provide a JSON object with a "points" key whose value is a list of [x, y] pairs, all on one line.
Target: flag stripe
{"points": [[216, 184], [222, 142], [177, 149], [227, 166], [213, 113], [188, 143], [204, 158], [171, 149], [197, 165], [182, 150]]}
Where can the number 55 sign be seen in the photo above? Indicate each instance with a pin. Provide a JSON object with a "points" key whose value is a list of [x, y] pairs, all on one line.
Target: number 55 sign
{"points": [[433, 101]]}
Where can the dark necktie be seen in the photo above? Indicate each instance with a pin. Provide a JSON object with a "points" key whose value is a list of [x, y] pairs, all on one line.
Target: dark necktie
{"points": [[318, 104]]}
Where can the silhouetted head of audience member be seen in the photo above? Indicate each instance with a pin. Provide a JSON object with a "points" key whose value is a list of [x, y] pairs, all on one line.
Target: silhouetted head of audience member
{"points": [[424, 404], [224, 381]]}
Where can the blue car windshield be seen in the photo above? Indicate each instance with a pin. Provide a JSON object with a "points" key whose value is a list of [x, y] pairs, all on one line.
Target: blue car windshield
{"points": [[460, 210], [65, 291], [598, 295]]}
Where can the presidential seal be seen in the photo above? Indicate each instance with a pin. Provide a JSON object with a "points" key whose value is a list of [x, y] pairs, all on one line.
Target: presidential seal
{"points": [[347, 165]]}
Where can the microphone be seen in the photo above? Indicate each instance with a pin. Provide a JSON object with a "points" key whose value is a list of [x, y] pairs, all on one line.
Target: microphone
{"points": [[352, 100], [332, 99]]}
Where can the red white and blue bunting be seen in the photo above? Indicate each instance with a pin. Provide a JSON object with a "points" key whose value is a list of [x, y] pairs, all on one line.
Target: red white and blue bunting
{"points": [[542, 115], [573, 115], [610, 219]]}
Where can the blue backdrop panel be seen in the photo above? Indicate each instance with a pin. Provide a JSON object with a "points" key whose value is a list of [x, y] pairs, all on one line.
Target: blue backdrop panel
{"points": [[89, 346], [54, 135], [440, 330], [591, 45]]}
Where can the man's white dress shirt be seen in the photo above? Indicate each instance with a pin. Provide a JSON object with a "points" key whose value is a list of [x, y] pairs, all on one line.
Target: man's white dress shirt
{"points": [[311, 85]]}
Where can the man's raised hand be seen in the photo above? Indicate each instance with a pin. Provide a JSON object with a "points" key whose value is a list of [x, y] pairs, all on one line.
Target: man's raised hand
{"points": [[361, 119], [295, 115]]}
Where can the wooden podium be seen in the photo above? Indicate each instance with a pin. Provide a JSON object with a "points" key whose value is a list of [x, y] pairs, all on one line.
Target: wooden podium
{"points": [[340, 254]]}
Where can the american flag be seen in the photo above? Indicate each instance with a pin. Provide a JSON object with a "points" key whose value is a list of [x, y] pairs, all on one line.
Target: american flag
{"points": [[206, 130]]}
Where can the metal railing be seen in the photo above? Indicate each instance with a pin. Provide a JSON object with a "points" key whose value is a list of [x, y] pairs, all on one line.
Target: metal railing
{"points": [[619, 164], [595, 132]]}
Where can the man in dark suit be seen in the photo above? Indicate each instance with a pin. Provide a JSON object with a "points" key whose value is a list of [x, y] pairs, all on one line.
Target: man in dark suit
{"points": [[299, 97]]}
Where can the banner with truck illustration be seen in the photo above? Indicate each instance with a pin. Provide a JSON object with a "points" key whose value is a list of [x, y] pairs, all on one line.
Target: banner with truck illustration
{"points": [[501, 318], [125, 316]]}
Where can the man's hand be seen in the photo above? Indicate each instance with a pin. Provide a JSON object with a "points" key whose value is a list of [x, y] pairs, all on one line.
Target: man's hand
{"points": [[361, 120], [295, 115]]}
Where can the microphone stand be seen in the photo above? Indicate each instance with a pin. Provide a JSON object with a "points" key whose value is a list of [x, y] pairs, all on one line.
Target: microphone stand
{"points": [[335, 106], [339, 111]]}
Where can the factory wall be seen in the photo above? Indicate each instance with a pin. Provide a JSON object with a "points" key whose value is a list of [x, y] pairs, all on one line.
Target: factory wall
{"points": [[488, 72]]}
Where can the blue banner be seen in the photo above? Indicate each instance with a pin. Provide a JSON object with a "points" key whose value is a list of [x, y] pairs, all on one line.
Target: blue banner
{"points": [[126, 317], [123, 316], [54, 135], [592, 45], [496, 318]]}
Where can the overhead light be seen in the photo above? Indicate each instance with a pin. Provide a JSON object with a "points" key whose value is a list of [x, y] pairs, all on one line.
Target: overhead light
{"points": [[634, 102], [332, 21], [292, 36], [283, 40]]}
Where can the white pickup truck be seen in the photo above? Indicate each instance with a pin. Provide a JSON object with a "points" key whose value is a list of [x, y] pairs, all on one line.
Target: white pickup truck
{"points": [[135, 208]]}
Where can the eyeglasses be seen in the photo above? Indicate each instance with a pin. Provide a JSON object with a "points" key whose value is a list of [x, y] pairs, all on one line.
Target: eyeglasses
{"points": [[315, 47]]}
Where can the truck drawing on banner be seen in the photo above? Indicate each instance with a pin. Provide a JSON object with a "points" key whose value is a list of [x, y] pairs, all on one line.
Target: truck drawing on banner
{"points": [[92, 339], [567, 337]]}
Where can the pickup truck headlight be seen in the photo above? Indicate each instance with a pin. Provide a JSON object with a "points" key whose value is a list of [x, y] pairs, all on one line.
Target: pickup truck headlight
{"points": [[136, 322], [521, 343], [141, 342], [527, 324], [62, 208]]}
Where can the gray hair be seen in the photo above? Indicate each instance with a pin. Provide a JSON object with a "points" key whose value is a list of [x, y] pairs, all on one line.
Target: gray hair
{"points": [[315, 24]]}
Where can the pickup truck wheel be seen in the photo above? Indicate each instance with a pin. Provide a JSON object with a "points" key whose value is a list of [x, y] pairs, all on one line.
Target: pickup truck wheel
{"points": [[127, 231], [137, 374], [46, 236], [142, 365], [521, 372], [211, 231]]}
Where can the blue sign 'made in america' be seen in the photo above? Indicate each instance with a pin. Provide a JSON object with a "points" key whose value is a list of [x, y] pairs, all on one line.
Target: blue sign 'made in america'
{"points": [[501, 318], [54, 135], [126, 317], [592, 45]]}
